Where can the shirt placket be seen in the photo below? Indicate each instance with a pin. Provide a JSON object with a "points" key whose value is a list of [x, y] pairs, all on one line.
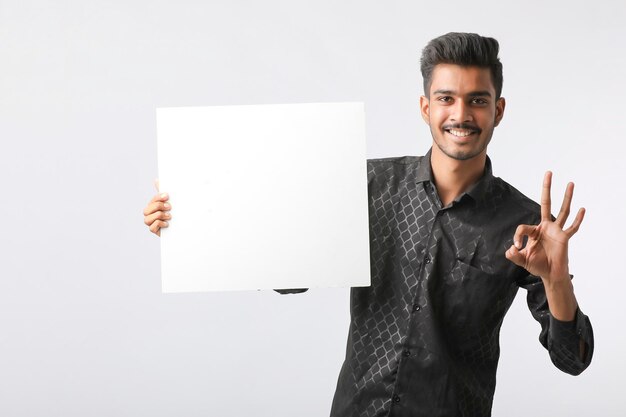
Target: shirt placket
{"points": [[419, 310]]}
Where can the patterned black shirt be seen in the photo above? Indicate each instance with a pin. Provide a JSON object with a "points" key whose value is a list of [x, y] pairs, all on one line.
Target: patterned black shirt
{"points": [[423, 338]]}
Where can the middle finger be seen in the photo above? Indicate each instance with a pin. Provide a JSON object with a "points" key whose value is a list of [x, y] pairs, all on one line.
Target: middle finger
{"points": [[565, 207]]}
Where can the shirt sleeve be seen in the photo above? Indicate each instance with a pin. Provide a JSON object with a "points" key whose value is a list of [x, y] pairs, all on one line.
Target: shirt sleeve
{"points": [[562, 339]]}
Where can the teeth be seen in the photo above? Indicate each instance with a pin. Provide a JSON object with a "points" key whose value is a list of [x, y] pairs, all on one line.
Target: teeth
{"points": [[460, 133]]}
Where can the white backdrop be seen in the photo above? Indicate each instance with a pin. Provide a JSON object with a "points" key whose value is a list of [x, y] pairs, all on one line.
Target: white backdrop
{"points": [[84, 328]]}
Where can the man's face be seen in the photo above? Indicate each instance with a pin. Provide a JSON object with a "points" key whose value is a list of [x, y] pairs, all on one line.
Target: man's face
{"points": [[462, 110]]}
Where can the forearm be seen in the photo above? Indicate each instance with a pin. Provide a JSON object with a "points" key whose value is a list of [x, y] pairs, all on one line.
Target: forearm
{"points": [[561, 299], [562, 304]]}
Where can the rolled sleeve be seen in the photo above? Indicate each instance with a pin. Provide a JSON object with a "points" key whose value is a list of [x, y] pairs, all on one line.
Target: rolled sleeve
{"points": [[564, 343], [562, 339]]}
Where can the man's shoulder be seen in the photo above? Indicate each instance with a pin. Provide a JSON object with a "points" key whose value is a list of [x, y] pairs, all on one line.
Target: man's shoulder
{"points": [[397, 168], [514, 198], [396, 160]]}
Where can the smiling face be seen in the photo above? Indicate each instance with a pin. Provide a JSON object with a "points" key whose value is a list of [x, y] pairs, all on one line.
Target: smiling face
{"points": [[461, 110]]}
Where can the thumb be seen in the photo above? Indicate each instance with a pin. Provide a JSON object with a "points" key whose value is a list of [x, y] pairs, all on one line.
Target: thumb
{"points": [[515, 256]]}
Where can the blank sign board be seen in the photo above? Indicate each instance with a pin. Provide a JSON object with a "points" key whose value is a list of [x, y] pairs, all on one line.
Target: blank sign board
{"points": [[264, 197]]}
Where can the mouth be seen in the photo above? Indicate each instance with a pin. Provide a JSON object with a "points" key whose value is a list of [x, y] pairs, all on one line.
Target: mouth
{"points": [[461, 133]]}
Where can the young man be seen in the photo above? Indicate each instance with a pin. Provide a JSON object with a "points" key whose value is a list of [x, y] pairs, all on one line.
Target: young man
{"points": [[447, 257]]}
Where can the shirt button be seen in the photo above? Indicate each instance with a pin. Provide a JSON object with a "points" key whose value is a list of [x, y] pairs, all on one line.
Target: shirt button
{"points": [[416, 307], [427, 260], [407, 353], [396, 399]]}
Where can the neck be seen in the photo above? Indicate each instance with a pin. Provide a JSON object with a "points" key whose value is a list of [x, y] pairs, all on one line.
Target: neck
{"points": [[453, 177]]}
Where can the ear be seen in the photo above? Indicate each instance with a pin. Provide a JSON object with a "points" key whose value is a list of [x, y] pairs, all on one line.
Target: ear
{"points": [[500, 105], [425, 109]]}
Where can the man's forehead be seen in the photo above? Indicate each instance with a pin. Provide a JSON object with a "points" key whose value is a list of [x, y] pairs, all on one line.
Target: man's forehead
{"points": [[457, 79]]}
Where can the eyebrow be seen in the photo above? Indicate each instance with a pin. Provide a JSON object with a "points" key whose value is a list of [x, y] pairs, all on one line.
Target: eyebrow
{"points": [[483, 93]]}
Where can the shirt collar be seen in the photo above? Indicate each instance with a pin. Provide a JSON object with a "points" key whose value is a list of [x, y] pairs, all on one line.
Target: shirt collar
{"points": [[476, 191]]}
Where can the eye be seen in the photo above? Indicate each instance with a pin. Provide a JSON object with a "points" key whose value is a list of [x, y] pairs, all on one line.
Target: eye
{"points": [[445, 99], [479, 101]]}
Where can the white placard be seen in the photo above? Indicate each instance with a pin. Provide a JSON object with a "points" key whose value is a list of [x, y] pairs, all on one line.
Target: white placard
{"points": [[264, 196]]}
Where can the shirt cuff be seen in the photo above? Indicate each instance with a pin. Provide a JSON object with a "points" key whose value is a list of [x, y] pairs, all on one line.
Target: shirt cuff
{"points": [[566, 332]]}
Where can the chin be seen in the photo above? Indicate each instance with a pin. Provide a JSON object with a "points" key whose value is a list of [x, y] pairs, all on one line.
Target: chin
{"points": [[461, 156], [458, 154]]}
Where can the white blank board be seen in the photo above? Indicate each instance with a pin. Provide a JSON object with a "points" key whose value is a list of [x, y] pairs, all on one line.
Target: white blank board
{"points": [[264, 197]]}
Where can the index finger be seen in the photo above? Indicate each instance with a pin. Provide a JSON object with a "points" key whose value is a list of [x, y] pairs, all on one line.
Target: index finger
{"points": [[545, 197], [159, 197]]}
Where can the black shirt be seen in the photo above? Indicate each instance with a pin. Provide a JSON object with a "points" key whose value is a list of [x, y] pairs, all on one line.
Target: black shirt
{"points": [[424, 337]]}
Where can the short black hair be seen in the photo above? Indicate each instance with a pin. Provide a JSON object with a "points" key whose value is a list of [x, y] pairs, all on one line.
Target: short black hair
{"points": [[465, 49]]}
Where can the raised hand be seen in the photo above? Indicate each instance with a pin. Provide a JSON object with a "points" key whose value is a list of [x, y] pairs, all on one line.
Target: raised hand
{"points": [[546, 252], [156, 214]]}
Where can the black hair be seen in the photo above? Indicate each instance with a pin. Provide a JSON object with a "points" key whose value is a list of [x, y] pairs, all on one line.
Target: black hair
{"points": [[465, 49]]}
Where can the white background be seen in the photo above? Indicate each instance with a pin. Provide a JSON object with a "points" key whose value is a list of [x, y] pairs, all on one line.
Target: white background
{"points": [[84, 328]]}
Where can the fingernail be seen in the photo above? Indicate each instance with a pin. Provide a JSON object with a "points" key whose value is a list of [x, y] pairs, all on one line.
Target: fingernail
{"points": [[164, 195], [166, 205]]}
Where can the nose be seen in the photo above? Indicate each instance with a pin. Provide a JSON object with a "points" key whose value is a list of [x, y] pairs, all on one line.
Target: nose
{"points": [[461, 112]]}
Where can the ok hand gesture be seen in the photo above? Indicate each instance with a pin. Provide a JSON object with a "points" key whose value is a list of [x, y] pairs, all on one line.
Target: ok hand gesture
{"points": [[545, 253]]}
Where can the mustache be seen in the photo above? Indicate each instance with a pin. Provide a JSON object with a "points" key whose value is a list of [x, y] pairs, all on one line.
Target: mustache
{"points": [[467, 126]]}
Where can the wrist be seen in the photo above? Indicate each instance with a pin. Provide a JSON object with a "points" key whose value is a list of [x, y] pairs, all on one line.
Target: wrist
{"points": [[558, 280], [561, 299], [558, 284]]}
